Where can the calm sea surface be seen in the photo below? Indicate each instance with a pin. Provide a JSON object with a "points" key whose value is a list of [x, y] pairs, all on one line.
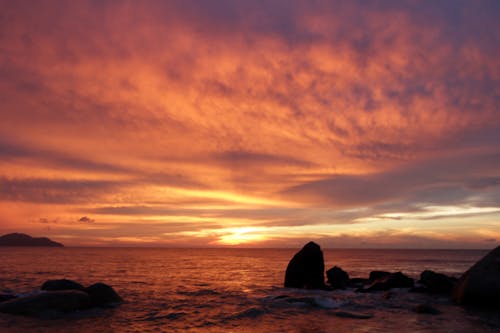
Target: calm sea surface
{"points": [[234, 290]]}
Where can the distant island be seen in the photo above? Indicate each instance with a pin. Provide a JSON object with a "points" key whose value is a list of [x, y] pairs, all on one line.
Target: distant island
{"points": [[17, 239]]}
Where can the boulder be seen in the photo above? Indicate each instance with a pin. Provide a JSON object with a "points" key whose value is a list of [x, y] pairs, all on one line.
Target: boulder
{"points": [[480, 285], [357, 282], [393, 280], [437, 283], [306, 269], [426, 309], [61, 301], [375, 275], [6, 297], [337, 277], [62, 284], [102, 294]]}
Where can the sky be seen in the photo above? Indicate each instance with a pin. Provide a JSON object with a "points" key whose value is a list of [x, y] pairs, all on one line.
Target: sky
{"points": [[358, 124]]}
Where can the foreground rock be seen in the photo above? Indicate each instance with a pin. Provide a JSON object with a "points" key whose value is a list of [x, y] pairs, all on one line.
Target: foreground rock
{"points": [[62, 296], [61, 301], [101, 294], [437, 283], [480, 285], [387, 282], [426, 309], [6, 297], [17, 239], [62, 284], [337, 277], [306, 269], [375, 275]]}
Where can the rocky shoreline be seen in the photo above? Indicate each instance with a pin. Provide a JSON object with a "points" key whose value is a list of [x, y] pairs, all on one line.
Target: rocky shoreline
{"points": [[478, 286]]}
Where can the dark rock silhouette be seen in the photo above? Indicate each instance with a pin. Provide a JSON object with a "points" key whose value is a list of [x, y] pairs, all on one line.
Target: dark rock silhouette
{"points": [[337, 277], [358, 282], [393, 280], [480, 284], [437, 283], [62, 296], [375, 275], [61, 301], [62, 284], [426, 309], [6, 297], [17, 239], [306, 269], [102, 294]]}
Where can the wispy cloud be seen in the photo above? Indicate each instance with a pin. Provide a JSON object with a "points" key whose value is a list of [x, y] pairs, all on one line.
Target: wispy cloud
{"points": [[267, 117]]}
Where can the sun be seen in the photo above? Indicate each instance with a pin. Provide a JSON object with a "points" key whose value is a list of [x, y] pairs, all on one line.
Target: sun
{"points": [[241, 235]]}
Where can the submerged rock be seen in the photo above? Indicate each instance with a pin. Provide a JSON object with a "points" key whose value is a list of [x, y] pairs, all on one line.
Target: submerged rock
{"points": [[480, 285], [62, 301], [337, 277], [437, 283], [102, 294], [306, 269], [393, 280], [62, 284]]}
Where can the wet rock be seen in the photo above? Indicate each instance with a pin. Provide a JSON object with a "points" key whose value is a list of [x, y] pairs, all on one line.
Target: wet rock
{"points": [[480, 285], [375, 275], [419, 289], [337, 277], [426, 309], [101, 294], [306, 269], [358, 282], [6, 297], [62, 301], [393, 280], [354, 315], [62, 284], [437, 283]]}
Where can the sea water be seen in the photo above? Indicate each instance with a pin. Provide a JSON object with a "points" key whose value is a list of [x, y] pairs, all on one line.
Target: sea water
{"points": [[236, 290]]}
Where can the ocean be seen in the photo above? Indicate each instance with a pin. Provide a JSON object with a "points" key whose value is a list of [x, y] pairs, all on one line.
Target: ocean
{"points": [[236, 290]]}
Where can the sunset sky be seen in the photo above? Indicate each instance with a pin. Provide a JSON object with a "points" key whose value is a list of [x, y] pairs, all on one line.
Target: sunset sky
{"points": [[251, 123]]}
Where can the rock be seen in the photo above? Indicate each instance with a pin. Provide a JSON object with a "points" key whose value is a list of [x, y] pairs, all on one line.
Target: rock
{"points": [[354, 315], [426, 309], [480, 285], [306, 269], [357, 282], [419, 289], [62, 284], [62, 301], [375, 275], [337, 277], [6, 297], [393, 280], [102, 294], [437, 283]]}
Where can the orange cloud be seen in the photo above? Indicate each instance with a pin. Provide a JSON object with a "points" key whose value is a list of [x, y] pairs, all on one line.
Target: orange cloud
{"points": [[258, 114]]}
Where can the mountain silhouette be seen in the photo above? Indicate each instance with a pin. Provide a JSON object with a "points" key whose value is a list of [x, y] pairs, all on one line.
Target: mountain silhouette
{"points": [[17, 239]]}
